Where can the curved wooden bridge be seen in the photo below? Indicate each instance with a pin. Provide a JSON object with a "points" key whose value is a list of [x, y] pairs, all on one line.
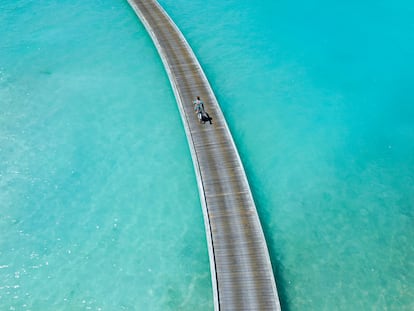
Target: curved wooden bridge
{"points": [[239, 260]]}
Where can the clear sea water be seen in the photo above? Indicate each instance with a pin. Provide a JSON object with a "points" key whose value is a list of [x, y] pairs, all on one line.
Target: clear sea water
{"points": [[99, 207]]}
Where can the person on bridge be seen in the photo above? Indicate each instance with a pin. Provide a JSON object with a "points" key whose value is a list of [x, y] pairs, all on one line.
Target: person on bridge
{"points": [[202, 114], [198, 105]]}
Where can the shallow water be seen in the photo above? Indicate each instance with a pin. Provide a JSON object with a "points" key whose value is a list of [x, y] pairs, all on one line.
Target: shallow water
{"points": [[99, 204], [317, 97]]}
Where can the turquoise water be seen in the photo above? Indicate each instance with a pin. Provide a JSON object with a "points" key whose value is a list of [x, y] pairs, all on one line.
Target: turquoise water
{"points": [[319, 99], [98, 200], [95, 163]]}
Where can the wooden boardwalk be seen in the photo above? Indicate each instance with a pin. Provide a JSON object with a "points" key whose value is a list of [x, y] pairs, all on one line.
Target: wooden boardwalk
{"points": [[239, 260]]}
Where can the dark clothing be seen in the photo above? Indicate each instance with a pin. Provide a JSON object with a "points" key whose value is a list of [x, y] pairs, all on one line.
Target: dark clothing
{"points": [[204, 117]]}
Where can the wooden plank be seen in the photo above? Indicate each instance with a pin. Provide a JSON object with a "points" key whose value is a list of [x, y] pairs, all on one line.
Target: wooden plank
{"points": [[241, 271]]}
